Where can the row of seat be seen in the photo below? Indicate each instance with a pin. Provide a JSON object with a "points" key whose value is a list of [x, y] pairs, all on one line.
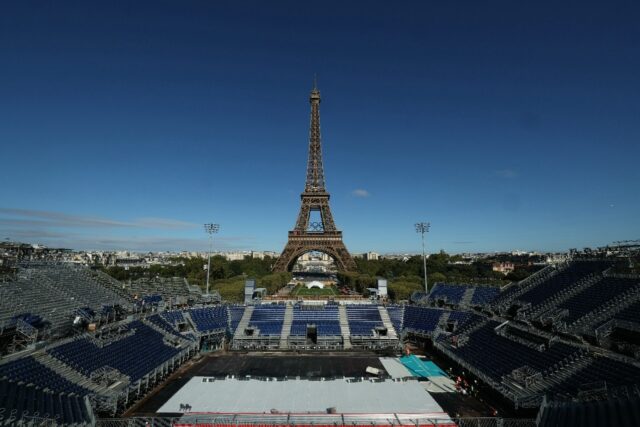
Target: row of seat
{"points": [[564, 279], [19, 400], [421, 319], [173, 316], [496, 356], [323, 328], [235, 315], [601, 372], [451, 294], [630, 313], [484, 295], [29, 371], [463, 294], [167, 288], [167, 326], [606, 289], [325, 318], [135, 355], [363, 319], [210, 318], [396, 314], [268, 319], [54, 293]]}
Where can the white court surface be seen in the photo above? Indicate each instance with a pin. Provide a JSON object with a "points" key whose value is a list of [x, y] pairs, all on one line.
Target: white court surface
{"points": [[439, 385], [395, 368], [255, 396]]}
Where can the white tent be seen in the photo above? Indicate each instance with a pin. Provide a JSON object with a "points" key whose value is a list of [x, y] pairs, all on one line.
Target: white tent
{"points": [[315, 284]]}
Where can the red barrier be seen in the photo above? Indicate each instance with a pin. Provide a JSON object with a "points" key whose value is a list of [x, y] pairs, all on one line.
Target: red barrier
{"points": [[197, 424]]}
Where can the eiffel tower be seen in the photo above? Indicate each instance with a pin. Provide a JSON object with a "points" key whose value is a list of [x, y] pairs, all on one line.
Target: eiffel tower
{"points": [[322, 236]]}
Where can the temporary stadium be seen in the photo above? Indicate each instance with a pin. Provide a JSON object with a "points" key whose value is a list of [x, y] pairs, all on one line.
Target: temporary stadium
{"points": [[558, 348]]}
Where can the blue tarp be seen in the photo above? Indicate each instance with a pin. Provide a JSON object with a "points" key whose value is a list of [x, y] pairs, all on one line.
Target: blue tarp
{"points": [[421, 368]]}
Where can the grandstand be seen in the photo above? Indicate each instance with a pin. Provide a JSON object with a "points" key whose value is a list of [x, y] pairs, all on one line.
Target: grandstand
{"points": [[44, 302], [315, 326], [569, 333], [19, 401], [172, 290], [461, 295]]}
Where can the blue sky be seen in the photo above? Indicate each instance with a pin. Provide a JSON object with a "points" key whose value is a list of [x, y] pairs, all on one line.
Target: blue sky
{"points": [[507, 125]]}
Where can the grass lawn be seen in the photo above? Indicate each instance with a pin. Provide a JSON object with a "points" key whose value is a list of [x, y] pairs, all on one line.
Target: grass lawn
{"points": [[301, 290]]}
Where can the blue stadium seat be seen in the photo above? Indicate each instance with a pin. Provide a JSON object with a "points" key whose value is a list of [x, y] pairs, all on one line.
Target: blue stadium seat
{"points": [[630, 314], [268, 319], [325, 318], [235, 315], [396, 314], [134, 355], [28, 400], [564, 279], [421, 319], [363, 319], [30, 371], [484, 295], [594, 296], [450, 294], [505, 354], [602, 369], [210, 319]]}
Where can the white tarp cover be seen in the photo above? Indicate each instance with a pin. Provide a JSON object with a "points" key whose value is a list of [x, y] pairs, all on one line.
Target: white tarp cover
{"points": [[206, 394], [394, 368]]}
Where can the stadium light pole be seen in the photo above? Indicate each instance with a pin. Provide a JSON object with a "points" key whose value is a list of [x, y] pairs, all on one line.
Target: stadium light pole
{"points": [[422, 228], [211, 229]]}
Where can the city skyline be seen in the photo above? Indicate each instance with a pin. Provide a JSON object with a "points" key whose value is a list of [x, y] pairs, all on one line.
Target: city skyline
{"points": [[505, 130]]}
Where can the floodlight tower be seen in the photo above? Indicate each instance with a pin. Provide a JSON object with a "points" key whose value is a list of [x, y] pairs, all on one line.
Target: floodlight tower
{"points": [[422, 228], [211, 229]]}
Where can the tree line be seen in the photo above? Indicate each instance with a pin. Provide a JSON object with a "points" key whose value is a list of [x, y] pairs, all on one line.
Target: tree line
{"points": [[404, 275], [227, 277]]}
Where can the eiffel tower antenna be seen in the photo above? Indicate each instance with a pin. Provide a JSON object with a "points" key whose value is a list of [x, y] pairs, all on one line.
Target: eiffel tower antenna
{"points": [[310, 236], [315, 170]]}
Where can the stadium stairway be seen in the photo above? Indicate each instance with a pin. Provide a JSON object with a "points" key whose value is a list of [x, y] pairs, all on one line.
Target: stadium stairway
{"points": [[503, 301], [286, 327], [68, 373], [344, 327], [192, 323], [244, 322], [606, 311], [467, 297], [558, 374], [386, 321], [112, 284], [441, 326], [169, 337], [555, 300], [444, 319]]}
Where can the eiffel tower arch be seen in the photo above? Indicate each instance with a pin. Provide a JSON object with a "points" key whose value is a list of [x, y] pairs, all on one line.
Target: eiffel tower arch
{"points": [[319, 235]]}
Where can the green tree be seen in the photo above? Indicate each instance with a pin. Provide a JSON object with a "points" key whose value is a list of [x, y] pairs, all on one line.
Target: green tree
{"points": [[436, 277], [402, 290]]}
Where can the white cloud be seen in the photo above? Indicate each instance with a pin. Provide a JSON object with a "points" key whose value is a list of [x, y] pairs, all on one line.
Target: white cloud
{"points": [[57, 229], [359, 192], [34, 218], [78, 241]]}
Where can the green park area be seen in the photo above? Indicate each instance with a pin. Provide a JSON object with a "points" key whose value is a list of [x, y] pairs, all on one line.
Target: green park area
{"points": [[303, 291]]}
